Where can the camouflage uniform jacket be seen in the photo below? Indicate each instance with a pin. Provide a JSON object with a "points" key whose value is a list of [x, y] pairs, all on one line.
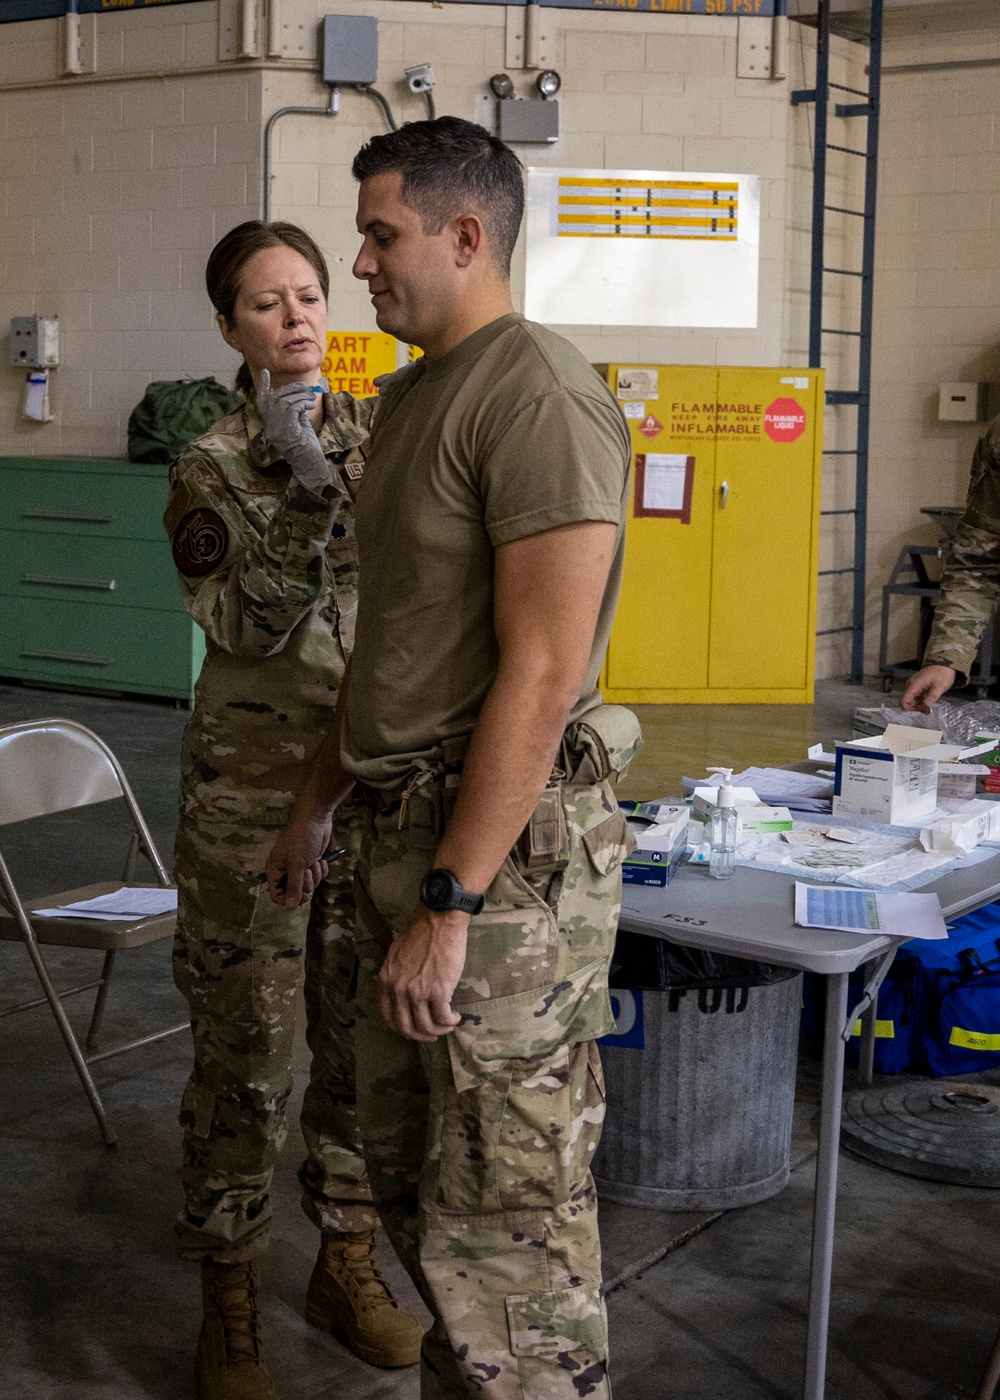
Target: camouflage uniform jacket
{"points": [[269, 571], [971, 581]]}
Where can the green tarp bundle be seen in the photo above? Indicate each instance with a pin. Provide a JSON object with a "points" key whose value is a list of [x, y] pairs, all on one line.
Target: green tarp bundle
{"points": [[172, 413]]}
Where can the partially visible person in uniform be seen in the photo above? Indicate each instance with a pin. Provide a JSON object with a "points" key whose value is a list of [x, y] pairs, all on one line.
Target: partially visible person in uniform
{"points": [[260, 515], [970, 584], [489, 883]]}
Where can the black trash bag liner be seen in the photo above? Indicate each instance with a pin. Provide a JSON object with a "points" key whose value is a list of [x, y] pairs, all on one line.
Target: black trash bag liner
{"points": [[644, 963]]}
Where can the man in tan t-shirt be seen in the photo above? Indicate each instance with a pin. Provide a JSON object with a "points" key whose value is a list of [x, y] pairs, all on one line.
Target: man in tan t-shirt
{"points": [[491, 531]]}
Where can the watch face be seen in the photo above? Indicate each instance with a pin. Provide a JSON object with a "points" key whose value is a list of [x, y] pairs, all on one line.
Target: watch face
{"points": [[438, 889]]}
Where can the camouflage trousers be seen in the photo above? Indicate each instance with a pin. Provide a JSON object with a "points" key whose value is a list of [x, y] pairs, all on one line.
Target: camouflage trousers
{"points": [[479, 1144], [238, 959]]}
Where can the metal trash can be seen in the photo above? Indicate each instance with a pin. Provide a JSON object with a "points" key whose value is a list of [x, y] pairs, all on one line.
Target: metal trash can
{"points": [[700, 1076]]}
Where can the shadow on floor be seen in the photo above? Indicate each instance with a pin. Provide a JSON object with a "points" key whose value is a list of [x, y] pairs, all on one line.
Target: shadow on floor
{"points": [[701, 1308]]}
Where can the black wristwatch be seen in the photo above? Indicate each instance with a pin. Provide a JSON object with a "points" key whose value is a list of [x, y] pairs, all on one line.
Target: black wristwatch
{"points": [[441, 890]]}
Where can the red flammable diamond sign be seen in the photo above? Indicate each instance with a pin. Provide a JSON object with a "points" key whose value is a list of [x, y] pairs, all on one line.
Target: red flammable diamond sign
{"points": [[785, 420], [650, 427]]}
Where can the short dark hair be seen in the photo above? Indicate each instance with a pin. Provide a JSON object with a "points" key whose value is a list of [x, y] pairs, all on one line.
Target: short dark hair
{"points": [[226, 262], [449, 165]]}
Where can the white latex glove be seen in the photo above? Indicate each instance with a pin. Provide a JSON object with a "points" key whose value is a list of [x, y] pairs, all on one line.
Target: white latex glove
{"points": [[287, 428]]}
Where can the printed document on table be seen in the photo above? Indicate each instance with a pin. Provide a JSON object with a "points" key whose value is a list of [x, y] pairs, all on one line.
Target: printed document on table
{"points": [[121, 905], [869, 911]]}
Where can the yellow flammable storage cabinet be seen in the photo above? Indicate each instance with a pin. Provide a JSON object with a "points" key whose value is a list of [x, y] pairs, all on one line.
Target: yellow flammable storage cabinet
{"points": [[718, 601]]}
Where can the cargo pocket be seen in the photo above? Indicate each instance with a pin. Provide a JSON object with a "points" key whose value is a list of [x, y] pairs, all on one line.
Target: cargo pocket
{"points": [[608, 843], [550, 1127], [557, 1337], [513, 945], [197, 1110], [519, 1129], [214, 962]]}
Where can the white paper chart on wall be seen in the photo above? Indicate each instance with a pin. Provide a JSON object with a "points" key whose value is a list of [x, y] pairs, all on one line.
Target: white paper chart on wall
{"points": [[642, 248]]}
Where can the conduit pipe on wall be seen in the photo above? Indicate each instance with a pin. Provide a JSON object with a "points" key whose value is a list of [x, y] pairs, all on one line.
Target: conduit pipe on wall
{"points": [[366, 88], [248, 29], [942, 67], [330, 111], [532, 34], [779, 46], [273, 28], [71, 62]]}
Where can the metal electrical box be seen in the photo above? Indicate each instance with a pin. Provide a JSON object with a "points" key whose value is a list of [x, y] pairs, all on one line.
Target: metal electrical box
{"points": [[350, 50], [34, 342], [526, 120], [962, 403]]}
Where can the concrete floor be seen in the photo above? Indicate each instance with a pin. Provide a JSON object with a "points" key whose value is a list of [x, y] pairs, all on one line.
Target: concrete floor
{"points": [[701, 1306]]}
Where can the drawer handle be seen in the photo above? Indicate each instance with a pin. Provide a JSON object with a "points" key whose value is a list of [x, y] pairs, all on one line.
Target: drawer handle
{"points": [[79, 657], [104, 585], [67, 515]]}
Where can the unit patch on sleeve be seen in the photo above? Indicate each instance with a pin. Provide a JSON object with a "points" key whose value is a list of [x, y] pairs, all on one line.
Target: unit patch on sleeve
{"points": [[200, 543]]}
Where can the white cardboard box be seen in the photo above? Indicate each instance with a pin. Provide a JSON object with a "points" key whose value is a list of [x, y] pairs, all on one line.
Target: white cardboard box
{"points": [[892, 777], [963, 830], [959, 780]]}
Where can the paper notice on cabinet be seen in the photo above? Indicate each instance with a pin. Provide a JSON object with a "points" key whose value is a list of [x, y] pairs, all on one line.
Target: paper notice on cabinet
{"points": [[637, 383], [664, 481]]}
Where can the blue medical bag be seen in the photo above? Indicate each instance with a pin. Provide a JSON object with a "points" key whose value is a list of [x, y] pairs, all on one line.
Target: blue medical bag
{"points": [[961, 1020], [939, 1006]]}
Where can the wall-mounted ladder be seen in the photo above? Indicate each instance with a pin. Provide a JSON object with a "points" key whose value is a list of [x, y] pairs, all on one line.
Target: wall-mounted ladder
{"points": [[863, 105]]}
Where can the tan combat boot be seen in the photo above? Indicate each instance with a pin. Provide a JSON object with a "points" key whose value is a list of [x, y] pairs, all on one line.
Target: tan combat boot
{"points": [[231, 1362], [349, 1297]]}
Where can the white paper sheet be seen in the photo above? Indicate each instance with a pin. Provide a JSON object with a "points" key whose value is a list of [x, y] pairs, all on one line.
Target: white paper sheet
{"points": [[124, 904], [664, 481], [869, 911]]}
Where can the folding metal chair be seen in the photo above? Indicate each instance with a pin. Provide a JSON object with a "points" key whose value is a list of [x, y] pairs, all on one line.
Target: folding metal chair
{"points": [[53, 765]]}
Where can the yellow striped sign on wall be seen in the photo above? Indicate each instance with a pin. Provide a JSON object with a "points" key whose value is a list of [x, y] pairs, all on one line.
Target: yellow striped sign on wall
{"points": [[594, 208]]}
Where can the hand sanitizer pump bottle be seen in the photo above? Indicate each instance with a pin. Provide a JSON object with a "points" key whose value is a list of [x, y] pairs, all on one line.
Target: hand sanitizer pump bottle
{"points": [[722, 861]]}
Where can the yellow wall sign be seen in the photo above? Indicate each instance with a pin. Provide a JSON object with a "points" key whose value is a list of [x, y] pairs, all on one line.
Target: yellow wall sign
{"points": [[593, 207], [355, 358]]}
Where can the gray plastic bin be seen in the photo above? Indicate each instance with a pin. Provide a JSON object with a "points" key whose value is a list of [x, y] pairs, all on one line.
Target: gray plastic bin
{"points": [[701, 1087]]}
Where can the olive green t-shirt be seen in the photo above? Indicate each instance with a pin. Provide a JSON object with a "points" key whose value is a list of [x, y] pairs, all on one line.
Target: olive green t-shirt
{"points": [[510, 434]]}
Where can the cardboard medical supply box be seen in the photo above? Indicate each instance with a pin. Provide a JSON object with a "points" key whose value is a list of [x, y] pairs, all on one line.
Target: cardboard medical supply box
{"points": [[892, 777], [868, 720], [751, 814], [662, 833], [960, 780], [991, 782]]}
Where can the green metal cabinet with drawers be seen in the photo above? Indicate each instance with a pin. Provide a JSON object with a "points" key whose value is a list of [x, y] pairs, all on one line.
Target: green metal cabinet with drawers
{"points": [[89, 587]]}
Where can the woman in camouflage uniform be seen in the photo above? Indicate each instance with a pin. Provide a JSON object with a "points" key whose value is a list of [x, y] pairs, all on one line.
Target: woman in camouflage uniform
{"points": [[260, 515]]}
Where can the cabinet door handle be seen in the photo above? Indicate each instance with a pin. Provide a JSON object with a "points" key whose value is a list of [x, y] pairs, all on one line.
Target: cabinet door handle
{"points": [[79, 657], [67, 515], [101, 584], [723, 495]]}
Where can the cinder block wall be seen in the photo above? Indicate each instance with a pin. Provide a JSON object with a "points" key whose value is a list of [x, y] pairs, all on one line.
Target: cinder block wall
{"points": [[113, 189], [115, 185], [937, 292]]}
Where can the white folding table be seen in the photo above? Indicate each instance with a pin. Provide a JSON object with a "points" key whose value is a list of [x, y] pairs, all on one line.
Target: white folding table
{"points": [[751, 916]]}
